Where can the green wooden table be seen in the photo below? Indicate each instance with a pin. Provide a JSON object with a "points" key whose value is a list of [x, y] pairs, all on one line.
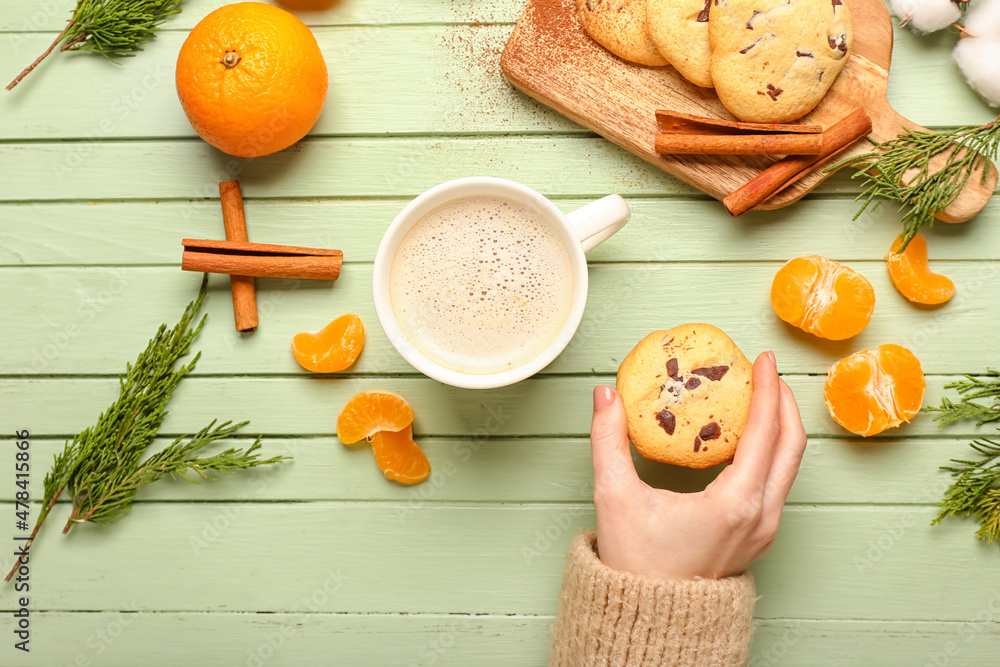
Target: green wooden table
{"points": [[322, 560]]}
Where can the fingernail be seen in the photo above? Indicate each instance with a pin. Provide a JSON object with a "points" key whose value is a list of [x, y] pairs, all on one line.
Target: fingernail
{"points": [[603, 397], [770, 355]]}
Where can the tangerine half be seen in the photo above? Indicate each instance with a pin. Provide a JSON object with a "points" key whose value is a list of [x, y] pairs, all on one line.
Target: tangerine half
{"points": [[873, 390], [822, 297], [333, 348], [399, 457], [910, 274], [251, 79], [369, 412]]}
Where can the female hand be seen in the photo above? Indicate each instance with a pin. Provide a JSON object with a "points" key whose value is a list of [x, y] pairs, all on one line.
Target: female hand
{"points": [[712, 534]]}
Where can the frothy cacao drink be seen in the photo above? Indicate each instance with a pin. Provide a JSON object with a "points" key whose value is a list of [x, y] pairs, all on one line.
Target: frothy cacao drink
{"points": [[481, 284]]}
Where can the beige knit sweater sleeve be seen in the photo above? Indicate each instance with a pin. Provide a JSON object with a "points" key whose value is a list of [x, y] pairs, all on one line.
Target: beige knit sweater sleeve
{"points": [[615, 619]]}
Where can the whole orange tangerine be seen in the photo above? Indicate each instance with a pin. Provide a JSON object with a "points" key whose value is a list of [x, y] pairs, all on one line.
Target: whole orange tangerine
{"points": [[873, 390], [251, 79], [910, 274]]}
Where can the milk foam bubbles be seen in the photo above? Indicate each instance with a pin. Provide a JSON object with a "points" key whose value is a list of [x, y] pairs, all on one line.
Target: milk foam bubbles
{"points": [[481, 284]]}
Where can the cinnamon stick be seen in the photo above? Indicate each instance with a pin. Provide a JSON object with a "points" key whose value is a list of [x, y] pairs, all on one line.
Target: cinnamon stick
{"points": [[244, 292], [739, 144], [783, 173], [262, 260], [675, 122]]}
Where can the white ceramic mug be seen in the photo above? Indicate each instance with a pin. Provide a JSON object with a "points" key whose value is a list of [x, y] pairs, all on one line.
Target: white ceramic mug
{"points": [[580, 231]]}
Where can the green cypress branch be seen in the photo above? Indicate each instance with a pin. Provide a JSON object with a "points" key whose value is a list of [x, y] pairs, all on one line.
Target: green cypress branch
{"points": [[975, 487], [102, 467], [899, 170], [111, 496], [971, 389], [112, 28], [975, 490]]}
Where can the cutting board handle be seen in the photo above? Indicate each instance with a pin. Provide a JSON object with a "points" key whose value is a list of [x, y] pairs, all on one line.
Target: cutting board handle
{"points": [[974, 194]]}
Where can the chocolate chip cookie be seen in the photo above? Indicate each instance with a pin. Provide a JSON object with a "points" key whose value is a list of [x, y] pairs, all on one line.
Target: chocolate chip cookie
{"points": [[687, 395], [774, 60], [620, 27], [679, 29]]}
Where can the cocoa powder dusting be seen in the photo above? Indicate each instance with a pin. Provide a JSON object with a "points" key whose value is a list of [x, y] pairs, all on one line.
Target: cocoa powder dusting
{"points": [[549, 42], [556, 36], [474, 73], [483, 11], [473, 52]]}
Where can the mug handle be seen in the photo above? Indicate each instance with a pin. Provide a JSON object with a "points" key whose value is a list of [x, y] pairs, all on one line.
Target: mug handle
{"points": [[599, 220]]}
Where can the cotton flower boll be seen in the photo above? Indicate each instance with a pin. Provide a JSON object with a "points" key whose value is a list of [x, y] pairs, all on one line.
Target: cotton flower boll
{"points": [[984, 20], [978, 57], [926, 15]]}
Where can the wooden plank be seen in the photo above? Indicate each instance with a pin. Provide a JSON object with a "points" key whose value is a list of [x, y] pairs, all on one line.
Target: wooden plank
{"points": [[463, 469], [813, 564], [836, 643], [48, 15], [395, 167], [123, 639], [661, 230], [280, 406], [291, 640], [392, 557], [323, 168], [442, 78], [64, 316]]}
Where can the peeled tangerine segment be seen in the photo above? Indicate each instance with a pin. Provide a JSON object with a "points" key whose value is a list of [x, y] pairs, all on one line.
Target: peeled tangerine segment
{"points": [[331, 349], [873, 390], [822, 297], [910, 274], [399, 457], [369, 412]]}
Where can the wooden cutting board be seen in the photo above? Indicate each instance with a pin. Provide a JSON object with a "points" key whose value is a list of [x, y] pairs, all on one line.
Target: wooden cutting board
{"points": [[552, 59]]}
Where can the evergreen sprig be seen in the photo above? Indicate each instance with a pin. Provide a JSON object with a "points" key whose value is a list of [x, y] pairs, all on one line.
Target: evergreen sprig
{"points": [[107, 497], [900, 170], [975, 490], [971, 389], [102, 468], [112, 28], [975, 487]]}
